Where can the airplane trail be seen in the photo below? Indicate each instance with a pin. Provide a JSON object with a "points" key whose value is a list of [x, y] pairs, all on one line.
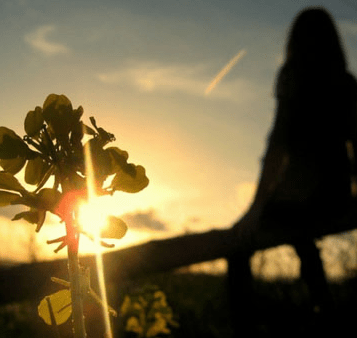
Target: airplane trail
{"points": [[225, 70]]}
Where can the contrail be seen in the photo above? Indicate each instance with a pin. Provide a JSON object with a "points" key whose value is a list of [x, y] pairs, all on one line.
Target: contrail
{"points": [[225, 70]]}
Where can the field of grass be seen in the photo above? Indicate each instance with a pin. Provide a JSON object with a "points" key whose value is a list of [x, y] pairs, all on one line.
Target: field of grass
{"points": [[200, 305]]}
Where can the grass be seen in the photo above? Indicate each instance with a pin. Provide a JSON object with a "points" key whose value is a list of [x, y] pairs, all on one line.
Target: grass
{"points": [[200, 303]]}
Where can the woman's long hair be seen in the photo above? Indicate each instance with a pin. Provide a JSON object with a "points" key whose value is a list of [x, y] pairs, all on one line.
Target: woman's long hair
{"points": [[315, 78], [314, 44]]}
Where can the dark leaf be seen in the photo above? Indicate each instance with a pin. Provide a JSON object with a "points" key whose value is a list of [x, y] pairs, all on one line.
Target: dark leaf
{"points": [[78, 112], [30, 200], [30, 155], [7, 197], [78, 182], [123, 181], [35, 170], [11, 145], [58, 113], [41, 219], [118, 154], [101, 160], [104, 136], [93, 121], [88, 130], [115, 228], [56, 104], [13, 166], [48, 199], [76, 134], [45, 177], [9, 182], [61, 305], [34, 122], [30, 216], [119, 161]]}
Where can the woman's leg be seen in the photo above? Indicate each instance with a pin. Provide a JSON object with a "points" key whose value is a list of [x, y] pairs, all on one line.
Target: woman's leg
{"points": [[240, 294], [312, 273]]}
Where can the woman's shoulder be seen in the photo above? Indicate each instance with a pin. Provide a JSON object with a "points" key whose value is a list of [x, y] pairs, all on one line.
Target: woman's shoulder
{"points": [[289, 82], [284, 85]]}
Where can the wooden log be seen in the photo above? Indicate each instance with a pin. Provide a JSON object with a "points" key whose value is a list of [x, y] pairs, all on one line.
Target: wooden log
{"points": [[32, 281]]}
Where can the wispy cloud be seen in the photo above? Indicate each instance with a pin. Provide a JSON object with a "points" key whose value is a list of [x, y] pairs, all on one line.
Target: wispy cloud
{"points": [[144, 220], [193, 80], [152, 76], [39, 40]]}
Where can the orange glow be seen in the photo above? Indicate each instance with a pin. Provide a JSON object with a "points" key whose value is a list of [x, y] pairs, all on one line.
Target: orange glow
{"points": [[92, 216], [92, 199]]}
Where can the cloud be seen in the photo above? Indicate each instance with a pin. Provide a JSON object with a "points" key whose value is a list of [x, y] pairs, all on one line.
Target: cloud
{"points": [[144, 220], [151, 76], [189, 79], [38, 40]]}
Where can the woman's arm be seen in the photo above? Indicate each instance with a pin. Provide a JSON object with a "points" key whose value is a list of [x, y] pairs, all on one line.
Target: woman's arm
{"points": [[276, 159], [351, 143]]}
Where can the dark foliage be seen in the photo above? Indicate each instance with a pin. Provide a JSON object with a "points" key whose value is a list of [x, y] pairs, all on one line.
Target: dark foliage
{"points": [[282, 309]]}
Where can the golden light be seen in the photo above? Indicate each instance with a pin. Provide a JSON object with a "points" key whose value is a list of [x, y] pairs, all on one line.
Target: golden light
{"points": [[98, 215], [93, 215]]}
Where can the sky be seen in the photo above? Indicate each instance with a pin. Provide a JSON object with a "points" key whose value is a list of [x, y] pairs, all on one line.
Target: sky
{"points": [[142, 69]]}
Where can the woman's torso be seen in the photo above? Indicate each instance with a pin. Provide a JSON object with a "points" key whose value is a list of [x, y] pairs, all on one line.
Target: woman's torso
{"points": [[315, 123]]}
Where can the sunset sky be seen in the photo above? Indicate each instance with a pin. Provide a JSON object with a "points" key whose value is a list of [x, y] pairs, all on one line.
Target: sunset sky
{"points": [[142, 68]]}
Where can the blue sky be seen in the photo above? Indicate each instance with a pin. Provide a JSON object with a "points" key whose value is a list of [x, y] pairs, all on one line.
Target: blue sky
{"points": [[141, 68]]}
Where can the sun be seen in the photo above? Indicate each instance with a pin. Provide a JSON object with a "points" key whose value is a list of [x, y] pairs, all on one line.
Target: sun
{"points": [[92, 215]]}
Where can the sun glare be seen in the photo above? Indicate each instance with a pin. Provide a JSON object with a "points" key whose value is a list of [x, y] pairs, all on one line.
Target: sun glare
{"points": [[93, 215], [93, 209]]}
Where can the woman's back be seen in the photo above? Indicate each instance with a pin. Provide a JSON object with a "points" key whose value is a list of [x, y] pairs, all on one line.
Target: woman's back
{"points": [[316, 120], [306, 167]]}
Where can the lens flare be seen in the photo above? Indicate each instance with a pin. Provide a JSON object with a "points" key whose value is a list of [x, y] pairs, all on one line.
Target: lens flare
{"points": [[94, 214], [96, 220], [91, 217]]}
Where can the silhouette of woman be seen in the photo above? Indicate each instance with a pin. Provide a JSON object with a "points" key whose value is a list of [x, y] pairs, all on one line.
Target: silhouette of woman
{"points": [[306, 175], [306, 171], [306, 167]]}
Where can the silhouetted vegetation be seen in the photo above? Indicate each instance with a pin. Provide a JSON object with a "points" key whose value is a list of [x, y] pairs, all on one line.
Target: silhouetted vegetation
{"points": [[199, 301]]}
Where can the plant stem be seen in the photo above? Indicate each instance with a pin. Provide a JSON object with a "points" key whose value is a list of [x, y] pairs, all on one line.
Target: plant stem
{"points": [[74, 278]]}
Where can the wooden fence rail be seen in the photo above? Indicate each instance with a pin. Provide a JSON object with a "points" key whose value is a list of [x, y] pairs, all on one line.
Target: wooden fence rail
{"points": [[32, 281]]}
